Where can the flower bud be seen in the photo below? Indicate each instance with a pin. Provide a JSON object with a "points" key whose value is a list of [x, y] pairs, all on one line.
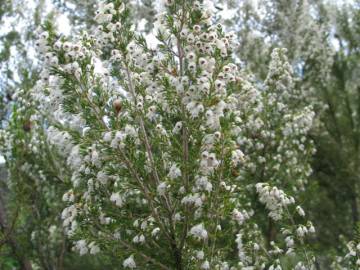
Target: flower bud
{"points": [[117, 105]]}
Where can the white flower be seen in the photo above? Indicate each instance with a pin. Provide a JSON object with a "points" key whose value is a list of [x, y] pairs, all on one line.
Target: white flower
{"points": [[274, 199], [102, 177], [289, 241], [139, 239], [237, 157], [312, 230], [177, 128], [117, 199], [192, 199], [240, 247], [103, 18], [205, 265], [68, 196], [130, 131], [301, 231], [199, 232], [174, 172], [300, 211], [129, 263], [200, 255], [81, 246], [161, 188], [155, 232], [240, 217], [107, 136], [202, 183], [104, 220], [94, 249]]}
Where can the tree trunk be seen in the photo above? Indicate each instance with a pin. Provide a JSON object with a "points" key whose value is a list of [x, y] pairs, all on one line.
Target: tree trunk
{"points": [[354, 208], [10, 239], [177, 257], [271, 235]]}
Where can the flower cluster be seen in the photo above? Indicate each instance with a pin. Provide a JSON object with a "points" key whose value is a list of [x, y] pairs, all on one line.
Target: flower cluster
{"points": [[351, 259], [275, 200], [275, 137], [83, 248], [36, 178]]}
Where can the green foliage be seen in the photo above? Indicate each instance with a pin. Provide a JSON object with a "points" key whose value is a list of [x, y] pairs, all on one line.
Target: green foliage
{"points": [[324, 76]]}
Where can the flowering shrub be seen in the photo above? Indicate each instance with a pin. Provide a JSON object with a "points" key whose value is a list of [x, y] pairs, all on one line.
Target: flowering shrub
{"points": [[36, 179], [351, 259], [177, 160]]}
